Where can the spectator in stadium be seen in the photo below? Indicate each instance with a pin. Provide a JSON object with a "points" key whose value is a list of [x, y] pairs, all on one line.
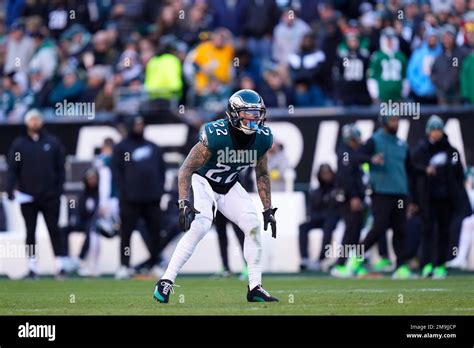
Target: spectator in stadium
{"points": [[139, 170], [168, 23], [467, 71], [104, 100], [410, 21], [287, 36], [351, 194], [14, 101], [45, 57], [95, 82], [75, 41], [127, 16], [211, 58], [39, 88], [387, 70], [390, 171], [215, 97], [445, 72], [163, 74], [228, 14], [102, 51], [20, 48], [306, 67], [248, 65], [420, 68], [36, 170], [329, 37], [245, 82], [350, 72], [128, 67], [321, 213], [467, 31], [196, 24], [440, 194], [274, 91], [260, 17], [70, 88]]}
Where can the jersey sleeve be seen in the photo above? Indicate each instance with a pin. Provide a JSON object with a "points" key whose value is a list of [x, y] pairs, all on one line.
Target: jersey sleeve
{"points": [[267, 139], [206, 138]]}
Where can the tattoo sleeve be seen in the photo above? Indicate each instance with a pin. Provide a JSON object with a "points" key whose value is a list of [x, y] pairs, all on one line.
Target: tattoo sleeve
{"points": [[263, 182], [196, 158]]}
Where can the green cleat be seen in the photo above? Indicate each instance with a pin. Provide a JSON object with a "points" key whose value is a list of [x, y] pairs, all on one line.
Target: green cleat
{"points": [[383, 265], [402, 272], [440, 272], [427, 270], [353, 263], [361, 271], [341, 271]]}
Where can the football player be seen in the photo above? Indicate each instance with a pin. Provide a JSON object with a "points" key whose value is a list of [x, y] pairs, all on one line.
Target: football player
{"points": [[211, 169]]}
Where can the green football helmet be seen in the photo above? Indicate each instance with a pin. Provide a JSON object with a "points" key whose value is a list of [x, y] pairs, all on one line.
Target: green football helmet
{"points": [[246, 111]]}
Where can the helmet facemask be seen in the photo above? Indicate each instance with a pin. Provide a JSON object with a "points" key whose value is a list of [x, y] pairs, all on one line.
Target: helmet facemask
{"points": [[249, 121]]}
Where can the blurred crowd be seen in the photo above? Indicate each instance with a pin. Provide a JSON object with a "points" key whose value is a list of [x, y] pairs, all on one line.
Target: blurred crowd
{"points": [[118, 53]]}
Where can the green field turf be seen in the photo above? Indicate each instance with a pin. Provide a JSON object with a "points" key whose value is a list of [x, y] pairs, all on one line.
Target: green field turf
{"points": [[299, 295]]}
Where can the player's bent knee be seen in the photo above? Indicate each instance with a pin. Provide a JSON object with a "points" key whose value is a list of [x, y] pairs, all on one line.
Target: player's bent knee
{"points": [[201, 225], [250, 223]]}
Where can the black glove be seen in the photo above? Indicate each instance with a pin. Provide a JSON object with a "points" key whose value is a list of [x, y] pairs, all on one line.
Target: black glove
{"points": [[187, 212], [269, 217], [11, 196]]}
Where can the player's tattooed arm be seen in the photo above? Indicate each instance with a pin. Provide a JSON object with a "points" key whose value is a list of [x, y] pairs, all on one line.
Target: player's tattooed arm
{"points": [[197, 157], [263, 182]]}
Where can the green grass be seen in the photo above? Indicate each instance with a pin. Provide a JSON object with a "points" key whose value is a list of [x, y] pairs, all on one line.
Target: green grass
{"points": [[205, 296]]}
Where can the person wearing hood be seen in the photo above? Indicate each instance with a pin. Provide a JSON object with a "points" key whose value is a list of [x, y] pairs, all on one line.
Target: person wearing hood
{"points": [[440, 194], [445, 74], [139, 171], [420, 68], [387, 70], [36, 170], [321, 213]]}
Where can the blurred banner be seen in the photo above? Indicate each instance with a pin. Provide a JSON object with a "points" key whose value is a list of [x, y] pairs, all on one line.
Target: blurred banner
{"points": [[309, 136]]}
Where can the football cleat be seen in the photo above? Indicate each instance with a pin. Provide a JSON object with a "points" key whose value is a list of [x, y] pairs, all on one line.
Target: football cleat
{"points": [[383, 265], [402, 272], [427, 270], [162, 290], [440, 272], [341, 271], [259, 294]]}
